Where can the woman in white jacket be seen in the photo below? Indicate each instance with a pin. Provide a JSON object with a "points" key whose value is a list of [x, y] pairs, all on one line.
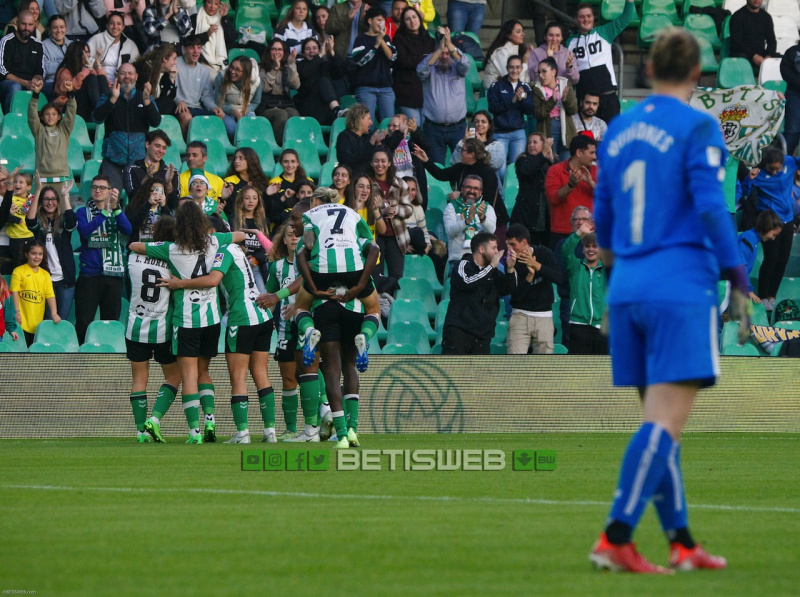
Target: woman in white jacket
{"points": [[510, 41], [112, 48]]}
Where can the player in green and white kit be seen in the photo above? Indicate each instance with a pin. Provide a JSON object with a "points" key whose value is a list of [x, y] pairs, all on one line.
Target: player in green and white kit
{"points": [[149, 333], [336, 261], [196, 313], [247, 338], [337, 242]]}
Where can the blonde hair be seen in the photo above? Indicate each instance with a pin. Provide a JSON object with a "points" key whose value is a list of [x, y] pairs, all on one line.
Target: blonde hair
{"points": [[674, 55], [259, 215]]}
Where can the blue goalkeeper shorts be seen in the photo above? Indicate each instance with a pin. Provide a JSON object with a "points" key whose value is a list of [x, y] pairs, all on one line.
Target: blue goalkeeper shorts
{"points": [[664, 342]]}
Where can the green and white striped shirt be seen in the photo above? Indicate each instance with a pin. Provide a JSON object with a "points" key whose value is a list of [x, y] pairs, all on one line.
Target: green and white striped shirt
{"points": [[239, 287], [281, 274], [192, 308], [338, 230], [148, 318]]}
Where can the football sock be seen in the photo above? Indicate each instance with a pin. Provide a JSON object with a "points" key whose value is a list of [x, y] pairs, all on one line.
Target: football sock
{"points": [[266, 400], [191, 409], [207, 399], [670, 501], [642, 469], [239, 406], [323, 393], [369, 326], [289, 406], [139, 406], [309, 398], [339, 424], [304, 322], [164, 399], [351, 410]]}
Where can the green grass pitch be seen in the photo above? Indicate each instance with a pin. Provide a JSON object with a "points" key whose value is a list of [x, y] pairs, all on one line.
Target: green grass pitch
{"points": [[110, 517]]}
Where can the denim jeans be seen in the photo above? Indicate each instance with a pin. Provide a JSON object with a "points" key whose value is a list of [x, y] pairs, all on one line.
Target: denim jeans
{"points": [[7, 90], [791, 124], [441, 137], [415, 113], [463, 16], [381, 98], [64, 296], [514, 142]]}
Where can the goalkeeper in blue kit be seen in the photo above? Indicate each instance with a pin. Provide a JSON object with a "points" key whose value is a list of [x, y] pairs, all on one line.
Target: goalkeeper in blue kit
{"points": [[662, 219]]}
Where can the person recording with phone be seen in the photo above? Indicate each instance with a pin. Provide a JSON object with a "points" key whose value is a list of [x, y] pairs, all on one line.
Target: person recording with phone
{"points": [[145, 208]]}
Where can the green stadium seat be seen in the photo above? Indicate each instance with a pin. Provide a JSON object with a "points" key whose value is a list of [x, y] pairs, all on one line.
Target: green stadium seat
{"points": [[410, 310], [472, 103], [264, 151], [75, 157], [775, 86], [9, 345], [91, 168], [374, 348], [337, 127], [730, 333], [47, 347], [208, 128], [776, 350], [473, 79], [326, 175], [661, 7], [250, 53], [788, 325], [437, 348], [560, 349], [734, 72], [441, 313], [698, 3], [217, 158], [442, 184], [703, 26], [483, 104], [18, 150], [626, 104], [399, 349], [81, 133], [107, 332], [419, 289], [255, 16], [305, 129], [257, 127], [308, 155], [16, 124], [272, 7], [21, 99], [758, 314], [611, 9], [97, 149], [97, 347], [434, 221], [510, 187], [650, 27], [437, 199], [446, 288], [409, 332], [381, 334], [498, 348], [708, 60], [500, 330], [745, 350], [62, 333], [347, 101], [421, 266], [171, 126]]}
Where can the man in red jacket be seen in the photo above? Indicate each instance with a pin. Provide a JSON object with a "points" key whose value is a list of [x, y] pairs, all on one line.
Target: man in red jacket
{"points": [[569, 184]]}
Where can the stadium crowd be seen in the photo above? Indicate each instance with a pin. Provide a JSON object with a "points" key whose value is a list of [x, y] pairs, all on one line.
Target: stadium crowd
{"points": [[148, 76]]}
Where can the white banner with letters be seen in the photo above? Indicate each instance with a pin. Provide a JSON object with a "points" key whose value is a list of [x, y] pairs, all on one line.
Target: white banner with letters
{"points": [[749, 117]]}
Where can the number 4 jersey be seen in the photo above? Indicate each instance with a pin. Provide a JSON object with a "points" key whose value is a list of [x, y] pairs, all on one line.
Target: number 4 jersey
{"points": [[148, 318], [341, 234], [192, 308], [239, 287]]}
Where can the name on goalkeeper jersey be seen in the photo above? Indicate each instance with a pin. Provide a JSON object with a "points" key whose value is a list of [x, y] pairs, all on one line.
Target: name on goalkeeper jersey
{"points": [[650, 134]]}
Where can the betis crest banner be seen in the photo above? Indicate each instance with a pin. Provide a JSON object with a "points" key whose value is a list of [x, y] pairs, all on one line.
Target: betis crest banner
{"points": [[749, 117]]}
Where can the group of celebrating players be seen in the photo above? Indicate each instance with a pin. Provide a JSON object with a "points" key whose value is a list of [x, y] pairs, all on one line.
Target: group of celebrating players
{"points": [[661, 217], [323, 257]]}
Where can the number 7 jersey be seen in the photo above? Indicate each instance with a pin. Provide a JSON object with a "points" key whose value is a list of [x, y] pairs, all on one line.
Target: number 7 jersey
{"points": [[341, 233]]}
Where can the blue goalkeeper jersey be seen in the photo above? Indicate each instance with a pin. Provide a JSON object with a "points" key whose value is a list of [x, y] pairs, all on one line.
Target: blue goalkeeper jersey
{"points": [[660, 206]]}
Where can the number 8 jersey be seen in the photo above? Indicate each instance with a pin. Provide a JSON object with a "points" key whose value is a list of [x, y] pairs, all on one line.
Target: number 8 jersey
{"points": [[148, 318], [341, 233]]}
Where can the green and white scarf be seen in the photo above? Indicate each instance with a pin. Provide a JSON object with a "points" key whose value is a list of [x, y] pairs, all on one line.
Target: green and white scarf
{"points": [[107, 238], [462, 208]]}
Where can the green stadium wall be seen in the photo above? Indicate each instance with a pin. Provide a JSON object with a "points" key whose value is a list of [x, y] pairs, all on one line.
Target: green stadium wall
{"points": [[86, 395]]}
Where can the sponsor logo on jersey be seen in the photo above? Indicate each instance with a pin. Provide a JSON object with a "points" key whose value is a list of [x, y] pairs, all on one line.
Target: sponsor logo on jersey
{"points": [[31, 296], [218, 259]]}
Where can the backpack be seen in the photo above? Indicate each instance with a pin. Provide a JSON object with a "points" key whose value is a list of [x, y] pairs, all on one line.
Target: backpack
{"points": [[468, 45], [787, 310]]}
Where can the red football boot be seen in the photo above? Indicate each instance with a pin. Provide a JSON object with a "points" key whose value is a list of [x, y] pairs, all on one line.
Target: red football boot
{"points": [[681, 558], [622, 558]]}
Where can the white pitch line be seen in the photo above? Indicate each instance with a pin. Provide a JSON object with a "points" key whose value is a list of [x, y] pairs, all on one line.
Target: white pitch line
{"points": [[422, 498]]}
